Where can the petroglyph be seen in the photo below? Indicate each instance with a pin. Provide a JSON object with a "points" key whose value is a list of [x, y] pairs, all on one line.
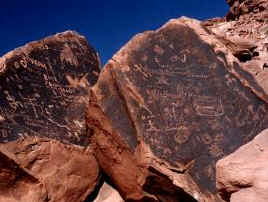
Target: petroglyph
{"points": [[68, 56], [208, 106], [193, 104], [35, 95], [182, 135]]}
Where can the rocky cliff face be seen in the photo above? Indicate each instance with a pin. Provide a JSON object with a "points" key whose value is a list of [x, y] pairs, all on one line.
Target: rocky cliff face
{"points": [[44, 93]]}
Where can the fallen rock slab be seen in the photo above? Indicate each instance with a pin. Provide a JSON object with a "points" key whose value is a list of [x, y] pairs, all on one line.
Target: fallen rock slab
{"points": [[44, 93]]}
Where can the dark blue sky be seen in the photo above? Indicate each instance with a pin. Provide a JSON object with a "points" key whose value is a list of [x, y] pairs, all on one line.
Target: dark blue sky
{"points": [[107, 24]]}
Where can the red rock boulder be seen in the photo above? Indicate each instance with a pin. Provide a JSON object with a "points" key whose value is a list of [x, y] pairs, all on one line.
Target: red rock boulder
{"points": [[166, 108], [43, 97]]}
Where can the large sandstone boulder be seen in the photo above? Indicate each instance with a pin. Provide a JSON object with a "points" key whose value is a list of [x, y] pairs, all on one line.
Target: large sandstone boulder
{"points": [[166, 108], [243, 175], [43, 96]]}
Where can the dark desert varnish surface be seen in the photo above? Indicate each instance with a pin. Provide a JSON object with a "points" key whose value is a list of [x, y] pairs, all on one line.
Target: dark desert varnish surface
{"points": [[180, 99], [44, 89]]}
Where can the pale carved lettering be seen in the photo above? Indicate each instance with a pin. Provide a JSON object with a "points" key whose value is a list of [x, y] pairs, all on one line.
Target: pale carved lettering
{"points": [[208, 106]]}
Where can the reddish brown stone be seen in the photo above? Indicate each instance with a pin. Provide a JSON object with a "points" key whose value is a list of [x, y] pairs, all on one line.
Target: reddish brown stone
{"points": [[241, 7], [44, 88], [43, 97], [165, 109], [18, 184]]}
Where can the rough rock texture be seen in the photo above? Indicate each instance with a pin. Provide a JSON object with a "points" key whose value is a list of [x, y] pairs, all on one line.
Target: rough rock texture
{"points": [[17, 184], [247, 39], [165, 109], [69, 173], [108, 194], [242, 7], [242, 176], [43, 97], [245, 35], [44, 88]]}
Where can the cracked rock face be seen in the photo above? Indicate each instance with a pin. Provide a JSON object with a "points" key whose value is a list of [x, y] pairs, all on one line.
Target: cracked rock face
{"points": [[43, 97], [166, 107], [242, 176]]}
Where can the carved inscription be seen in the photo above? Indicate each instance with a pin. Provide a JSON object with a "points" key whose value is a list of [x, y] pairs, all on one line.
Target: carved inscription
{"points": [[208, 106], [196, 111], [36, 99]]}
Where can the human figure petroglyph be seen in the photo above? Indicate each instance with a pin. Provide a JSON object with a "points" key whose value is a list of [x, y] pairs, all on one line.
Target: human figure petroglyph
{"points": [[12, 101], [169, 115], [18, 79]]}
